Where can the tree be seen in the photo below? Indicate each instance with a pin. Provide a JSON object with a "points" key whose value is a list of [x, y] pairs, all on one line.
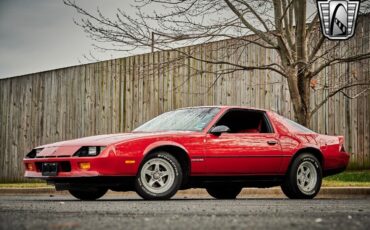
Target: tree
{"points": [[280, 25]]}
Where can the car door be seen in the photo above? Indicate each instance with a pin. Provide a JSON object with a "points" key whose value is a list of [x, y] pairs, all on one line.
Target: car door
{"points": [[243, 153]]}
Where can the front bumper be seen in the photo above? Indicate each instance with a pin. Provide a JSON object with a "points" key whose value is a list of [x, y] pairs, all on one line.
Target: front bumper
{"points": [[69, 167], [116, 183]]}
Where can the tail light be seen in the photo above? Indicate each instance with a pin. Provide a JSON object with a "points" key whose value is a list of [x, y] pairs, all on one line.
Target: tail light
{"points": [[341, 144]]}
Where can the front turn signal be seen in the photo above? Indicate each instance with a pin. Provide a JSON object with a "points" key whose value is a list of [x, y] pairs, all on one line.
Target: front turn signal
{"points": [[84, 165], [29, 166]]}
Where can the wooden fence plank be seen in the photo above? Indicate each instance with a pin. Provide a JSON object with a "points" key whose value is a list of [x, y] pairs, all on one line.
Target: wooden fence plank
{"points": [[118, 95]]}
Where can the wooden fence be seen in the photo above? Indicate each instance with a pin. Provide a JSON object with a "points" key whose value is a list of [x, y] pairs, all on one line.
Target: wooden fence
{"points": [[118, 95]]}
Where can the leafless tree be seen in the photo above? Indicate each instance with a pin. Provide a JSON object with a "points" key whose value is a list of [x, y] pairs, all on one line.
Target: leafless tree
{"points": [[284, 26]]}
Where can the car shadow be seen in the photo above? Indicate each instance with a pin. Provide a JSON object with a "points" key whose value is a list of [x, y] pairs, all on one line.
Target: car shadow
{"points": [[118, 199]]}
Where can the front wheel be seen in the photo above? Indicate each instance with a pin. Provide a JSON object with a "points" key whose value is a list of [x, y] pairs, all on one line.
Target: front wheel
{"points": [[224, 192], [88, 194], [159, 177], [303, 180]]}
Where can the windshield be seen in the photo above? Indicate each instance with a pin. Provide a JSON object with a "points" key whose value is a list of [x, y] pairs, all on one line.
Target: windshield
{"points": [[192, 119]]}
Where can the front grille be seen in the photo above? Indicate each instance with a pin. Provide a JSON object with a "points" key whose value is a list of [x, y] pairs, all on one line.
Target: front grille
{"points": [[63, 166]]}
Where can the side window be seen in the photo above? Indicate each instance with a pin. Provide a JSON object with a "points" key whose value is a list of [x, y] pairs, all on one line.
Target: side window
{"points": [[245, 121], [295, 126]]}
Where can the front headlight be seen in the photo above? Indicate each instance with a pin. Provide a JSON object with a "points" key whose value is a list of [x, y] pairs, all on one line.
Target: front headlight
{"points": [[38, 151], [92, 151], [89, 151], [33, 153]]}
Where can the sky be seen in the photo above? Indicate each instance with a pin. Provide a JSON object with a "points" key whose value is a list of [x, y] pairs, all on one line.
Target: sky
{"points": [[38, 35]]}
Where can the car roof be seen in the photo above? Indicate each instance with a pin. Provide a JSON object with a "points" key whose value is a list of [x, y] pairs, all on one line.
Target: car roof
{"points": [[225, 107]]}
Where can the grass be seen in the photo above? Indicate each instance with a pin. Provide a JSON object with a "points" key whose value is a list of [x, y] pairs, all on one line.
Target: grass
{"points": [[348, 178], [344, 179], [24, 185]]}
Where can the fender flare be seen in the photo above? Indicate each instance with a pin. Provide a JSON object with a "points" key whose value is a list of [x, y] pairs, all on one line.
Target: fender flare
{"points": [[312, 149], [159, 144]]}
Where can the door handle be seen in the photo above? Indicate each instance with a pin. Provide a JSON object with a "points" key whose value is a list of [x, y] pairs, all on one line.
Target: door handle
{"points": [[272, 142]]}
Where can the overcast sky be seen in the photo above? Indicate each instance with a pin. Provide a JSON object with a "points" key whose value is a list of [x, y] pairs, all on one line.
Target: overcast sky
{"points": [[37, 35]]}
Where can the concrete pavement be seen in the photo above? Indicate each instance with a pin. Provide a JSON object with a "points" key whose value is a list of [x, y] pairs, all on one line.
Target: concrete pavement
{"points": [[275, 191]]}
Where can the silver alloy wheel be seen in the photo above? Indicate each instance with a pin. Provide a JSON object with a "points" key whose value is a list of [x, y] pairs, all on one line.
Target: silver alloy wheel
{"points": [[157, 175], [307, 177]]}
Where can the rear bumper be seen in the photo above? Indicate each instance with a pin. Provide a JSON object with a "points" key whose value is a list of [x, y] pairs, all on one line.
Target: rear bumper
{"points": [[336, 164], [343, 159]]}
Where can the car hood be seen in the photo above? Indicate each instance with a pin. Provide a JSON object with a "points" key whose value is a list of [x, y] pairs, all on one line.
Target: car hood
{"points": [[108, 139], [68, 148]]}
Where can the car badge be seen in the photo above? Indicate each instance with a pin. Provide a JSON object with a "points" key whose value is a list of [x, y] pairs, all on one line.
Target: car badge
{"points": [[338, 18]]}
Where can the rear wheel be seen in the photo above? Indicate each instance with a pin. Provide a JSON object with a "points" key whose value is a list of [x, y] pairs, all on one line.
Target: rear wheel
{"points": [[219, 192], [88, 194], [159, 177], [303, 180]]}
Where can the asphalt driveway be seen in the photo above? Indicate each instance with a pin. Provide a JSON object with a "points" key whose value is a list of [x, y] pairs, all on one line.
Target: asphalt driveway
{"points": [[130, 212]]}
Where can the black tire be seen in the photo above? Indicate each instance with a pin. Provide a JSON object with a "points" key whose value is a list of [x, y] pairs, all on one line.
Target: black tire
{"points": [[219, 192], [88, 194], [292, 185], [169, 164]]}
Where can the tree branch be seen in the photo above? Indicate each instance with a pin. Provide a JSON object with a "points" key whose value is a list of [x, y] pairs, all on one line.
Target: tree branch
{"points": [[249, 26], [255, 14], [241, 67], [287, 25], [312, 24], [316, 48], [318, 106], [340, 60]]}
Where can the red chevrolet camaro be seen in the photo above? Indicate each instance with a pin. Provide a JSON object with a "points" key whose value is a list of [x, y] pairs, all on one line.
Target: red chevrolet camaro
{"points": [[220, 148]]}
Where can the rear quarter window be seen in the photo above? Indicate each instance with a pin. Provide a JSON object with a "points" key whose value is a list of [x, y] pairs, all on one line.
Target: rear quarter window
{"points": [[294, 126]]}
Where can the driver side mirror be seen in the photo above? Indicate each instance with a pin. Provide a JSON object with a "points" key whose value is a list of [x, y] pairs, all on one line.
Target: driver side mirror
{"points": [[218, 130]]}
